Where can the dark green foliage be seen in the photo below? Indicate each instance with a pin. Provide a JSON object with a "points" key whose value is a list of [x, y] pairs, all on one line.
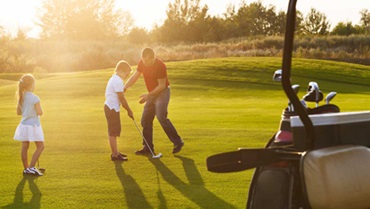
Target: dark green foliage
{"points": [[315, 23]]}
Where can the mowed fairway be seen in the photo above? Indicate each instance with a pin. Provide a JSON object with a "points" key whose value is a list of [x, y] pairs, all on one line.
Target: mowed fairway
{"points": [[217, 105]]}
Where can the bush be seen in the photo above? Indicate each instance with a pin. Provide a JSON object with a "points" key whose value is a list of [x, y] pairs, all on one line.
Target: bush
{"points": [[56, 56]]}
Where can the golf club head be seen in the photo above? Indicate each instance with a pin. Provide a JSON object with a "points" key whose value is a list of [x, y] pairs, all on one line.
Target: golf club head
{"points": [[277, 75], [295, 88], [313, 96], [42, 170], [151, 151], [313, 86], [157, 156], [330, 96]]}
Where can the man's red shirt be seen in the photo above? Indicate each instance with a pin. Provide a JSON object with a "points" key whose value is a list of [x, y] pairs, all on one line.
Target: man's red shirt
{"points": [[152, 73]]}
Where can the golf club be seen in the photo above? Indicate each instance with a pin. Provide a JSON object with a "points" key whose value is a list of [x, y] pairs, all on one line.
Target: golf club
{"points": [[330, 96], [151, 151], [314, 96], [295, 88], [244, 159], [314, 86], [304, 103], [42, 170], [277, 75]]}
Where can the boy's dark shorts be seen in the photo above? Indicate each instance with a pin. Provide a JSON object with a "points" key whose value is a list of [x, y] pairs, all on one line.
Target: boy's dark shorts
{"points": [[113, 120]]}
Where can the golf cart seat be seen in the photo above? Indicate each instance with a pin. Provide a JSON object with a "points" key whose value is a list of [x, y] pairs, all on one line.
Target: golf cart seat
{"points": [[337, 177]]}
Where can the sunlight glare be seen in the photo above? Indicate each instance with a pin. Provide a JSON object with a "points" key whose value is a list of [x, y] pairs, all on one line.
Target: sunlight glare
{"points": [[145, 13], [19, 14]]}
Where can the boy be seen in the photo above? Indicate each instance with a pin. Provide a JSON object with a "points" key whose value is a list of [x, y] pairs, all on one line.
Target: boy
{"points": [[114, 96]]}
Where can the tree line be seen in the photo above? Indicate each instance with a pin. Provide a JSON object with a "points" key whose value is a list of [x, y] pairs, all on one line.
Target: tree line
{"points": [[187, 21]]}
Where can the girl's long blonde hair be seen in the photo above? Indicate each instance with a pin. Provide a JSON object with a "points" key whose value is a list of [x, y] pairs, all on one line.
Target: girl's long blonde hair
{"points": [[26, 81]]}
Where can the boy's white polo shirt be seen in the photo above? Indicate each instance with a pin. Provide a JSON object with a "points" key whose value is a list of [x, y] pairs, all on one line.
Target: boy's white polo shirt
{"points": [[115, 84]]}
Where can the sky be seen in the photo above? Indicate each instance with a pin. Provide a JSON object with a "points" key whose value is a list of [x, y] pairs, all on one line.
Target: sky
{"points": [[147, 13]]}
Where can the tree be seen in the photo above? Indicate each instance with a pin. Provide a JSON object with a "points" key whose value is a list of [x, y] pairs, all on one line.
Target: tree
{"points": [[173, 28], [224, 27], [279, 23], [82, 19], [21, 34], [4, 54], [299, 23], [255, 19], [199, 25], [365, 20], [344, 29], [228, 26], [186, 21], [115, 22], [248, 18], [315, 23], [138, 35]]}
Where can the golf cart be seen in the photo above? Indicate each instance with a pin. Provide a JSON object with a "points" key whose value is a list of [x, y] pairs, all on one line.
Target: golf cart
{"points": [[319, 158]]}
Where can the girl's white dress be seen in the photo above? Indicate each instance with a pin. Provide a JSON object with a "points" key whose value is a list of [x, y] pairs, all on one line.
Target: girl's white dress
{"points": [[30, 128], [29, 133]]}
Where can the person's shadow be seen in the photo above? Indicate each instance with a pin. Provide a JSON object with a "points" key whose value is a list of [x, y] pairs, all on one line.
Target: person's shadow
{"points": [[18, 201], [133, 194], [194, 190]]}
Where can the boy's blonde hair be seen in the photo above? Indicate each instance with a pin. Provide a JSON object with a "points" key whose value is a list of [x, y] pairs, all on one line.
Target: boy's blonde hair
{"points": [[122, 66], [26, 81]]}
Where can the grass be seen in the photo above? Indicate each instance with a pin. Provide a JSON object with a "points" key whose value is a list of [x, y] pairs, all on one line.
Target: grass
{"points": [[217, 105]]}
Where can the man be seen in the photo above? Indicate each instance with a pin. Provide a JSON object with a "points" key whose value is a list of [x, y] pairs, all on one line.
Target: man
{"points": [[156, 100]]}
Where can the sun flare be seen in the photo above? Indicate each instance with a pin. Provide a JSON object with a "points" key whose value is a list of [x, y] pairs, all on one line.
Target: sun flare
{"points": [[145, 13], [21, 14]]}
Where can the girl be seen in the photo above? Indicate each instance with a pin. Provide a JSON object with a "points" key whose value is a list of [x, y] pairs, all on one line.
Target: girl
{"points": [[29, 129]]}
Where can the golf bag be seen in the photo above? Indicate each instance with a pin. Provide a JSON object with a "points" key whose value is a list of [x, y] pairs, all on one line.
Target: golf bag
{"points": [[277, 185], [273, 186]]}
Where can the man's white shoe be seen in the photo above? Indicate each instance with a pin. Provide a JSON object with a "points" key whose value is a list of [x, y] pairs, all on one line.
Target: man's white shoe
{"points": [[32, 171]]}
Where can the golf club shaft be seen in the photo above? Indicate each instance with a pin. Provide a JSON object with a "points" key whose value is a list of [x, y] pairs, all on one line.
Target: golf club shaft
{"points": [[137, 127], [42, 170]]}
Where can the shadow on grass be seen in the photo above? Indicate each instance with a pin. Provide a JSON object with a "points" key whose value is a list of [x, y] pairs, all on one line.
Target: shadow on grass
{"points": [[133, 193], [18, 201], [161, 198], [195, 190]]}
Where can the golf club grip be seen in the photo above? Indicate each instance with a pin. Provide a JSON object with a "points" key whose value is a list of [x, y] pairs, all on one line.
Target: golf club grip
{"points": [[238, 160], [244, 159], [225, 162]]}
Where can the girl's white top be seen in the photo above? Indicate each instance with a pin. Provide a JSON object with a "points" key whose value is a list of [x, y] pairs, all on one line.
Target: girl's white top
{"points": [[115, 85], [29, 114]]}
